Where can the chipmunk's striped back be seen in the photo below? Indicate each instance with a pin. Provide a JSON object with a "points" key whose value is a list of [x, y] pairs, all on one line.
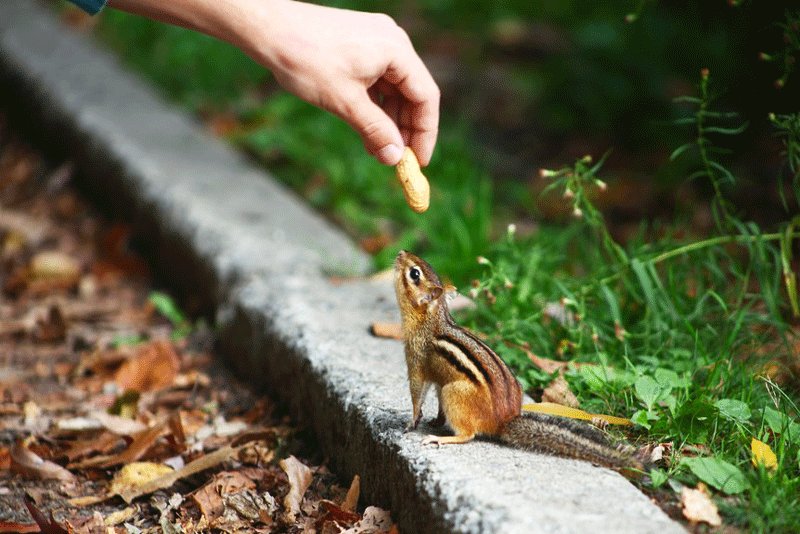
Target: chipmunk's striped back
{"points": [[481, 365]]}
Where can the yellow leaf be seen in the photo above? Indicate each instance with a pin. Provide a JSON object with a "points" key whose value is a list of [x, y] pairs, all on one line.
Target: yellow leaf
{"points": [[573, 413], [762, 454], [136, 474]]}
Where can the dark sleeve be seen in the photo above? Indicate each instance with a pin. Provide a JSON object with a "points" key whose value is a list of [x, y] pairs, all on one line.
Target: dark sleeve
{"points": [[90, 6]]}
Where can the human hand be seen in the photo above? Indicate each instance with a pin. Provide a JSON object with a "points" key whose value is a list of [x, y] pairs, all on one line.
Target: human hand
{"points": [[359, 66]]}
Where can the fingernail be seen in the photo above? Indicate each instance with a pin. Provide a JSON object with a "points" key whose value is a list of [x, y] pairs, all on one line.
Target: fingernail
{"points": [[389, 155]]}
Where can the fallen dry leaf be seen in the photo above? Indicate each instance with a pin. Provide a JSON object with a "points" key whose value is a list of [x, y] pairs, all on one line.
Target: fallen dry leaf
{"points": [[20, 528], [46, 526], [698, 506], [154, 367], [374, 520], [137, 474], [350, 502], [336, 518], [122, 426], [209, 497], [558, 392], [762, 454], [387, 330], [299, 478], [251, 505], [96, 444], [201, 464], [51, 327], [32, 230], [120, 516], [26, 462], [142, 442], [54, 265]]}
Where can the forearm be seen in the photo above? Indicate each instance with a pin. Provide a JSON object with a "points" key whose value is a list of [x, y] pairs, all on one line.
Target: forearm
{"points": [[227, 20]]}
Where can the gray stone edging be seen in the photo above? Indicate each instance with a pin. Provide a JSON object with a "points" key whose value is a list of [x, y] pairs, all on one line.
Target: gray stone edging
{"points": [[233, 239]]}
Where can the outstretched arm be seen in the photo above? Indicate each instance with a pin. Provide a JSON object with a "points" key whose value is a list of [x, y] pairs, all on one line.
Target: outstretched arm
{"points": [[360, 66]]}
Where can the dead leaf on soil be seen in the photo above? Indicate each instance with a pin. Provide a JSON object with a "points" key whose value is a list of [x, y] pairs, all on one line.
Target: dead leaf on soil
{"points": [[201, 464], [154, 367], [374, 520], [26, 462], [387, 330], [335, 518], [209, 497], [120, 516], [31, 230], [299, 479], [251, 505], [51, 327], [350, 502], [99, 444], [46, 526], [51, 270], [142, 442], [122, 426], [698, 506], [19, 528], [558, 392], [137, 474]]}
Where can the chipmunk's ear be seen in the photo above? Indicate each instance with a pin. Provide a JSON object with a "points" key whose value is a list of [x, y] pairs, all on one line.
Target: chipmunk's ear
{"points": [[436, 292], [432, 295]]}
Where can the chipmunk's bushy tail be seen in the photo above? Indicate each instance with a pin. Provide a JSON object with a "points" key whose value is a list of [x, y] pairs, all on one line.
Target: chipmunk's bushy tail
{"points": [[568, 438]]}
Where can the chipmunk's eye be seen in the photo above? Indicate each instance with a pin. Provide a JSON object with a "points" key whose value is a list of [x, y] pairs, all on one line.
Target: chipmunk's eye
{"points": [[414, 274]]}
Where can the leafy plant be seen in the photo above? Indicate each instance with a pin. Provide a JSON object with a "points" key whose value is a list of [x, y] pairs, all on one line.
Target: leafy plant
{"points": [[707, 122]]}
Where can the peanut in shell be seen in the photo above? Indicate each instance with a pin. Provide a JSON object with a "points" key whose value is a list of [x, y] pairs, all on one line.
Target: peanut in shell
{"points": [[415, 186]]}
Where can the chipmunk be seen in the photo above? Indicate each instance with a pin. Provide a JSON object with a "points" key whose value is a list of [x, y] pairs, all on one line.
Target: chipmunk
{"points": [[477, 392]]}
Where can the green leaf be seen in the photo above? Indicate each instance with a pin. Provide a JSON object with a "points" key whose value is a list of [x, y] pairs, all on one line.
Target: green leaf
{"points": [[647, 285], [648, 390], [613, 306], [726, 131], [167, 307], [668, 378], [733, 410], [781, 424], [658, 477], [593, 377], [680, 150], [640, 418], [717, 473]]}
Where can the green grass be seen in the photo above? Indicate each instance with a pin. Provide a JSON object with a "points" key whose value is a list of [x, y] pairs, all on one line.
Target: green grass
{"points": [[686, 335], [686, 339]]}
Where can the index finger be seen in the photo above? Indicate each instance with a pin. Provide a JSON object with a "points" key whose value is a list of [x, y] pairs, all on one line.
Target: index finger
{"points": [[419, 116]]}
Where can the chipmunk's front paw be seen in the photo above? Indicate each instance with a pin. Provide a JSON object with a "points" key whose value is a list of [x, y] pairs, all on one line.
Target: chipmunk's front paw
{"points": [[413, 424]]}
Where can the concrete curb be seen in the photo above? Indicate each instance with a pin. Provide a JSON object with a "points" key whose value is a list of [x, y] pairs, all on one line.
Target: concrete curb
{"points": [[235, 241]]}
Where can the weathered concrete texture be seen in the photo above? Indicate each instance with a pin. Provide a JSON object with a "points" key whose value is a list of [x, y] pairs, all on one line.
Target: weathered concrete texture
{"points": [[232, 237]]}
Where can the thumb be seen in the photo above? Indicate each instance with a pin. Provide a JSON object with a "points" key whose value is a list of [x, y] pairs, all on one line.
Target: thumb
{"points": [[378, 131]]}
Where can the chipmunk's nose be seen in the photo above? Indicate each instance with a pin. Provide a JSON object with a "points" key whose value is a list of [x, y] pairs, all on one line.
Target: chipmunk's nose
{"points": [[401, 254]]}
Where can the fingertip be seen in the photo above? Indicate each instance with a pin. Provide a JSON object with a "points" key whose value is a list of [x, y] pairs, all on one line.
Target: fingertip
{"points": [[390, 154], [423, 145]]}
